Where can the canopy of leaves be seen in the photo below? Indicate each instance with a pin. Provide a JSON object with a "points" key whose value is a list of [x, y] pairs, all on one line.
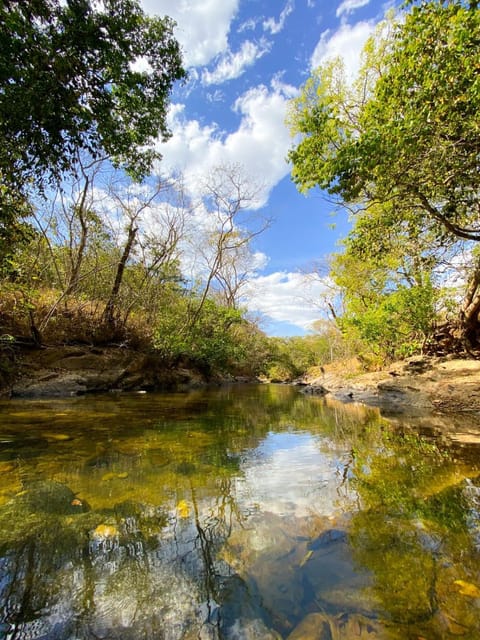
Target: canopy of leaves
{"points": [[82, 75], [413, 137]]}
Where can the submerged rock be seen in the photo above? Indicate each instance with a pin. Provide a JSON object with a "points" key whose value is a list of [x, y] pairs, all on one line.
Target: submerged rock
{"points": [[50, 497], [242, 615], [326, 538], [250, 630], [319, 626], [315, 626]]}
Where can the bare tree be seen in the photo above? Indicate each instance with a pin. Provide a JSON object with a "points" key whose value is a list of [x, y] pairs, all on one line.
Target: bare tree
{"points": [[329, 300], [237, 268], [230, 200], [66, 229], [149, 221]]}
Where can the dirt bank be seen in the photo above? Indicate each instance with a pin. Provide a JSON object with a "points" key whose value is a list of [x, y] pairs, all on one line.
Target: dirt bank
{"points": [[416, 386]]}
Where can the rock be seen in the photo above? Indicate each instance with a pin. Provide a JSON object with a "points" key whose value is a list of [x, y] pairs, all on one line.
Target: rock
{"points": [[315, 389], [415, 387], [400, 396], [327, 538], [69, 371], [47, 496], [105, 531], [319, 626], [250, 630], [58, 386], [315, 626], [418, 364], [242, 615], [358, 627]]}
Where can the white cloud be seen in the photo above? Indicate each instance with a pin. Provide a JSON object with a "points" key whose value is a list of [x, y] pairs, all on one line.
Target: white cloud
{"points": [[287, 297], [203, 25], [349, 6], [274, 27], [260, 142], [216, 96], [347, 42], [248, 25], [286, 470], [232, 65]]}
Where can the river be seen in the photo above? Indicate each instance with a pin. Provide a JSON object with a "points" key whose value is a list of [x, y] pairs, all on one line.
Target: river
{"points": [[249, 512]]}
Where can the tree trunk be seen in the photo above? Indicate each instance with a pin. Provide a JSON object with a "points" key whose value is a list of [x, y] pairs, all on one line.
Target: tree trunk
{"points": [[109, 313], [463, 335], [469, 313]]}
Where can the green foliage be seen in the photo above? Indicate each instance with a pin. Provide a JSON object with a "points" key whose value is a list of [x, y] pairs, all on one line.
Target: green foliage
{"points": [[326, 116], [319, 116], [253, 350], [420, 134], [211, 342], [69, 82], [390, 301], [414, 137], [15, 232], [396, 325], [292, 357]]}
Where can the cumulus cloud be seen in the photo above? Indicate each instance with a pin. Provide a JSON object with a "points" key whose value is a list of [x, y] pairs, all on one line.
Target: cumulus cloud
{"points": [[260, 142], [349, 6], [287, 297], [347, 42], [203, 25], [232, 65], [273, 26]]}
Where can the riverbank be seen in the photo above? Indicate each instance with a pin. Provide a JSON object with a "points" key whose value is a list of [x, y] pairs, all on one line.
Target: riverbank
{"points": [[417, 386], [59, 371]]}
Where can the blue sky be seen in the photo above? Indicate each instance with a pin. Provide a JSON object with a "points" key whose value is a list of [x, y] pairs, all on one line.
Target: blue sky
{"points": [[246, 59]]}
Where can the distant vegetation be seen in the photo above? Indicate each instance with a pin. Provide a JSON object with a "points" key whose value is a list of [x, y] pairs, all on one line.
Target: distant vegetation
{"points": [[97, 248]]}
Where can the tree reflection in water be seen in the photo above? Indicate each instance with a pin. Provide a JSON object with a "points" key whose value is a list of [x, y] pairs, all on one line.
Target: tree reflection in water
{"points": [[239, 513], [417, 532]]}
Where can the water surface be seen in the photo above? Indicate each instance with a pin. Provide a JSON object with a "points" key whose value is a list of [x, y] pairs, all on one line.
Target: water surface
{"points": [[246, 512]]}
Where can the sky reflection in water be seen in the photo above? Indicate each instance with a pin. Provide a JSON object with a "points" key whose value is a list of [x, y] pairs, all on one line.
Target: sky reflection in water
{"points": [[246, 512]]}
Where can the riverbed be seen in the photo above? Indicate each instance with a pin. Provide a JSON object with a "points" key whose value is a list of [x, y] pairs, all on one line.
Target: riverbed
{"points": [[251, 511]]}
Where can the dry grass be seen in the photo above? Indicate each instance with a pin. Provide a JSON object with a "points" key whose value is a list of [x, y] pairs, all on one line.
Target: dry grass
{"points": [[346, 368], [66, 321]]}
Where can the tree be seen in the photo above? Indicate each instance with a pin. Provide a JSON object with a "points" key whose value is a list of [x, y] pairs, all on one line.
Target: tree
{"points": [[106, 247], [227, 201], [81, 75], [415, 139], [211, 342], [15, 232], [410, 144], [148, 236], [390, 280]]}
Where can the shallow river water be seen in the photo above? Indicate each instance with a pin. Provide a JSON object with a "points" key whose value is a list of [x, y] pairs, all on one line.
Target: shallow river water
{"points": [[249, 512]]}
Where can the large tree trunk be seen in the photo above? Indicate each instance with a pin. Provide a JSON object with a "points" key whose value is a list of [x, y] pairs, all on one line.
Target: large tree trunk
{"points": [[469, 312], [461, 336]]}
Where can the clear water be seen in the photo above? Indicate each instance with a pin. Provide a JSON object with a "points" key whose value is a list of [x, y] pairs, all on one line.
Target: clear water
{"points": [[246, 512]]}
